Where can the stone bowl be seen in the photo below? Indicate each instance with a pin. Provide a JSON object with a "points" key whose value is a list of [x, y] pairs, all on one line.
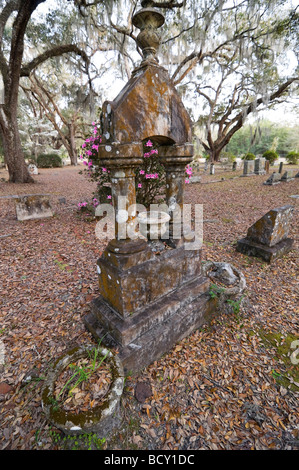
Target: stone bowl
{"points": [[152, 224], [227, 275], [101, 420]]}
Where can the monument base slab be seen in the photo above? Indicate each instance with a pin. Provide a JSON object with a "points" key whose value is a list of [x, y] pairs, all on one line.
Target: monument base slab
{"points": [[152, 332], [267, 253]]}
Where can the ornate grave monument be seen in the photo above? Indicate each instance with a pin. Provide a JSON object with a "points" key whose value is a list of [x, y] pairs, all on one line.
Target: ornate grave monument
{"points": [[149, 299]]}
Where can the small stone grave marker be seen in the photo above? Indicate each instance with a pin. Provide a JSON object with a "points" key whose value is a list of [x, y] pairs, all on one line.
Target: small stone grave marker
{"points": [[287, 176], [33, 170], [268, 238], [248, 169], [259, 166], [275, 178], [33, 206]]}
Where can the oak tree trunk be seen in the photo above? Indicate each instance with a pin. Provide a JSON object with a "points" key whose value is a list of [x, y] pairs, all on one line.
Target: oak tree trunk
{"points": [[13, 154]]}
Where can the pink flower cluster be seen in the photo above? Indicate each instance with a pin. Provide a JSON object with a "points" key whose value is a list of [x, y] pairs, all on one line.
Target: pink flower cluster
{"points": [[82, 204], [151, 152], [152, 176], [94, 140], [189, 172]]}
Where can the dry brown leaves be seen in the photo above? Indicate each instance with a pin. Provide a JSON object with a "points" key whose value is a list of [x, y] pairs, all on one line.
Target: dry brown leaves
{"points": [[216, 389]]}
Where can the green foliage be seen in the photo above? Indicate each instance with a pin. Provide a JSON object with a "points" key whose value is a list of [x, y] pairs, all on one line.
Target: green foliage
{"points": [[215, 291], [229, 155], [271, 156], [49, 160], [82, 374], [260, 137], [292, 158], [249, 156], [86, 441]]}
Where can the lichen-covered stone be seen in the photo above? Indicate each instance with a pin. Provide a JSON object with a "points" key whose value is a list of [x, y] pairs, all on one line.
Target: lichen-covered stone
{"points": [[287, 176], [33, 206], [268, 237], [272, 227], [275, 178]]}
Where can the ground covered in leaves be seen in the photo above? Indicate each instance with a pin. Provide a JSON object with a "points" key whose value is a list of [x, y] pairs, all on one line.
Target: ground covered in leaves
{"points": [[229, 385]]}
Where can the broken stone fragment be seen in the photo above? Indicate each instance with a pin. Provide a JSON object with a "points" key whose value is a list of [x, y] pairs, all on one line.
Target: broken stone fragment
{"points": [[223, 272], [272, 227], [275, 178]]}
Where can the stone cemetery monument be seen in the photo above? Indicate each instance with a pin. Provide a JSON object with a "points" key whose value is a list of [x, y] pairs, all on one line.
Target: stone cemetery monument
{"points": [[275, 178], [267, 166], [248, 169], [33, 170], [287, 176], [152, 293], [259, 166], [33, 206], [280, 167], [268, 237]]}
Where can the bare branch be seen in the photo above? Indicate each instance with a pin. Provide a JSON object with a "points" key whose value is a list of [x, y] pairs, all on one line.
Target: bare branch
{"points": [[54, 52]]}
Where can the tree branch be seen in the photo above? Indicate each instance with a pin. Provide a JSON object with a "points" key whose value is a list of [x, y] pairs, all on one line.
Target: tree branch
{"points": [[54, 52]]}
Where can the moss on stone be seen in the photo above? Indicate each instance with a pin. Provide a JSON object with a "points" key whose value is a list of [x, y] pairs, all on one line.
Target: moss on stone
{"points": [[288, 375]]}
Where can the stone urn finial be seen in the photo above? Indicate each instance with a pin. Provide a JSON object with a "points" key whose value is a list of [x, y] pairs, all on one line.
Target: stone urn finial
{"points": [[148, 20]]}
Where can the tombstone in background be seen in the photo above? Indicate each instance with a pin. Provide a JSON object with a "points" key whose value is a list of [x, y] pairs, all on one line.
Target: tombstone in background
{"points": [[212, 169], [33, 206], [297, 175], [280, 167], [287, 176], [268, 237], [234, 166], [152, 293], [206, 165], [275, 178], [248, 169], [259, 166], [33, 170], [267, 166]]}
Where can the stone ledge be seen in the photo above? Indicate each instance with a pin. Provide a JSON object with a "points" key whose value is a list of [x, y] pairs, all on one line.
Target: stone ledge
{"points": [[265, 252], [185, 315]]}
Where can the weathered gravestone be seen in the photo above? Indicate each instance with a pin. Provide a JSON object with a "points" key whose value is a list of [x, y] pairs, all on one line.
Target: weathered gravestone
{"points": [[212, 169], [248, 169], [33, 170], [297, 175], [33, 206], [149, 299], [280, 167], [268, 237], [275, 178], [267, 166], [259, 166], [287, 176]]}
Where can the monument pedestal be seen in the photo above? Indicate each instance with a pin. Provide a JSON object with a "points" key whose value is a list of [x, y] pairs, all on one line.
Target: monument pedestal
{"points": [[267, 253], [157, 302], [268, 238]]}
